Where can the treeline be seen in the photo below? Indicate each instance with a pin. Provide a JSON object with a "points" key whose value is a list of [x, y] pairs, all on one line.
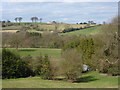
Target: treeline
{"points": [[25, 39]]}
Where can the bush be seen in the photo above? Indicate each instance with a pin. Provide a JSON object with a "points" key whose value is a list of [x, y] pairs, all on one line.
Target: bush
{"points": [[113, 69], [13, 66], [71, 64], [46, 69]]}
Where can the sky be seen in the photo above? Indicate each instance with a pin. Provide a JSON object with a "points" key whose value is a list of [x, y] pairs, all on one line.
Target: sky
{"points": [[67, 12]]}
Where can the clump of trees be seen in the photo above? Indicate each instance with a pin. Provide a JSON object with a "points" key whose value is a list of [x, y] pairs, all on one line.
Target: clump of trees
{"points": [[18, 19]]}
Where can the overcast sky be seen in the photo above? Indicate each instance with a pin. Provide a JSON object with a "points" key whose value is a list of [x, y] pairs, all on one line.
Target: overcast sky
{"points": [[69, 12]]}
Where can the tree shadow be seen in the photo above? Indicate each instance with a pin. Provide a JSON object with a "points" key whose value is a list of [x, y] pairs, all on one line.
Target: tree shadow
{"points": [[85, 79], [29, 50]]}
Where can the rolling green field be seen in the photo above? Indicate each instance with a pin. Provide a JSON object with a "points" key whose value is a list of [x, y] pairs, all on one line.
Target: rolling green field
{"points": [[37, 51], [88, 80], [87, 31]]}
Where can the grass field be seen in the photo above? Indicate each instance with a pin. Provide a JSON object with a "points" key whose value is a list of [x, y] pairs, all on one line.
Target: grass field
{"points": [[88, 80], [87, 31], [38, 51]]}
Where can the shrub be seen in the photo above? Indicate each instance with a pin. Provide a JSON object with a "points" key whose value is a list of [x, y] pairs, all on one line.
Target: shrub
{"points": [[13, 66], [46, 69], [38, 65], [71, 64], [113, 69]]}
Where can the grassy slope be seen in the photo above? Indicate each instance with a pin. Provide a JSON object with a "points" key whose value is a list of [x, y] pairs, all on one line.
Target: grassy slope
{"points": [[91, 80], [38, 51], [87, 31]]}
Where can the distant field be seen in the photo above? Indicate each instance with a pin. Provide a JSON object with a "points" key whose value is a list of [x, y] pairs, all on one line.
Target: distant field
{"points": [[88, 80], [45, 26], [38, 51], [87, 31]]}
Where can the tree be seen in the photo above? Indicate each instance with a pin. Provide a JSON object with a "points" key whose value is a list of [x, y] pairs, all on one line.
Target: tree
{"points": [[34, 19], [16, 19], [92, 22], [104, 22], [71, 64], [89, 22], [40, 20], [19, 19]]}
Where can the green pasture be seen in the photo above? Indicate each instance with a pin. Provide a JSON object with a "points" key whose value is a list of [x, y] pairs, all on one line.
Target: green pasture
{"points": [[88, 80], [37, 51], [87, 31]]}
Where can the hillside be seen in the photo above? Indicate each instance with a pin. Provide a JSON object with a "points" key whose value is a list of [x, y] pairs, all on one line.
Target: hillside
{"points": [[87, 31]]}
